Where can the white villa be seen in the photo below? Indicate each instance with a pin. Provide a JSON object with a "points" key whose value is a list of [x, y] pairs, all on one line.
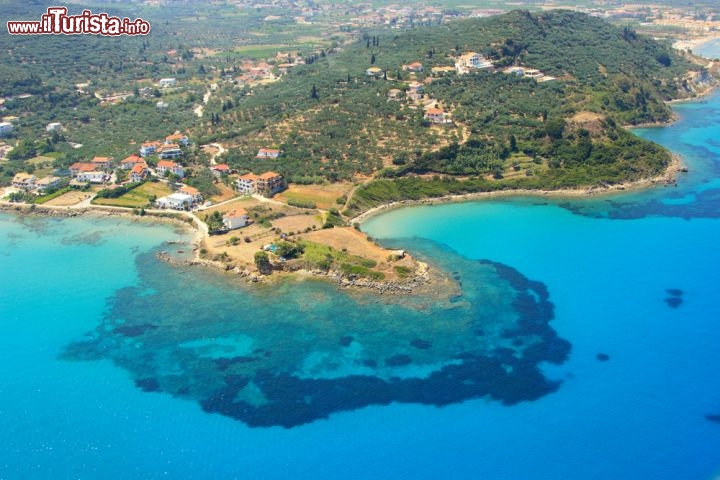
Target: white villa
{"points": [[374, 72], [175, 201], [53, 127], [193, 192], [437, 116], [46, 183], [472, 61], [246, 184], [93, 176], [533, 73], [169, 151], [177, 138], [237, 218], [148, 148]]}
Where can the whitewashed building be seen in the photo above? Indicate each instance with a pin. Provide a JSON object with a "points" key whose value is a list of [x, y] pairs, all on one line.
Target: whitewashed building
{"points": [[237, 218], [175, 201]]}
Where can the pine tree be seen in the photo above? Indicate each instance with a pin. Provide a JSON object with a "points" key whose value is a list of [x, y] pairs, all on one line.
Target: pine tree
{"points": [[314, 95]]}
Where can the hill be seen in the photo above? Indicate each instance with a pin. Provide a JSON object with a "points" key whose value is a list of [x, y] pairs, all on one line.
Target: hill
{"points": [[334, 121]]}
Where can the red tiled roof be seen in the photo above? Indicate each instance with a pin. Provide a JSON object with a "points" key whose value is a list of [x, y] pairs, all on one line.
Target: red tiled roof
{"points": [[177, 136], [269, 175], [167, 164], [434, 111], [82, 166], [101, 159], [249, 176], [268, 150], [190, 190], [223, 167], [237, 213], [134, 158], [169, 146], [138, 168], [151, 144]]}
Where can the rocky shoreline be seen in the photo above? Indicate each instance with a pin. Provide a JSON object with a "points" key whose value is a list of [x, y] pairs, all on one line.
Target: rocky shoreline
{"points": [[419, 281]]}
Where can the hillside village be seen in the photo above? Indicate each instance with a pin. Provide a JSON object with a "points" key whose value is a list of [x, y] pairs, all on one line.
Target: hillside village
{"points": [[269, 177]]}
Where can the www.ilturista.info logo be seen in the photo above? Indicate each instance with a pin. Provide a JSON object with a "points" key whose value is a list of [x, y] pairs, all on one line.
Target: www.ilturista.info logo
{"points": [[57, 22]]}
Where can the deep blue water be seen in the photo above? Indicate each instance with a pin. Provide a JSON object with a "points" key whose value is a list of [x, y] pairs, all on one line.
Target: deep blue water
{"points": [[116, 365]]}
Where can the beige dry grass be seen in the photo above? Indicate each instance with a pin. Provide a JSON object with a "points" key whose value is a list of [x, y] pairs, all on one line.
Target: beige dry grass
{"points": [[70, 198]]}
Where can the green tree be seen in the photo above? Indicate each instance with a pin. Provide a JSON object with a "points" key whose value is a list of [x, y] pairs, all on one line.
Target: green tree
{"points": [[262, 262], [214, 222]]}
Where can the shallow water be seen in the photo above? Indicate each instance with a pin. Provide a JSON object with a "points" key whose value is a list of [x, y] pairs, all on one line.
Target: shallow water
{"points": [[119, 366]]}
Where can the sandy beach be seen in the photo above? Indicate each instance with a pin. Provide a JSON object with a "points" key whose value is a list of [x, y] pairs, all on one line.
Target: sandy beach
{"points": [[694, 43]]}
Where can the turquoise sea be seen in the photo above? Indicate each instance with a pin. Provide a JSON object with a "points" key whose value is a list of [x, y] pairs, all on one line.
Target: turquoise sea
{"points": [[584, 345]]}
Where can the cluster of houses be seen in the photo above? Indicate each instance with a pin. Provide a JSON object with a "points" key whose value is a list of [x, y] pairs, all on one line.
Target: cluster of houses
{"points": [[95, 171], [465, 63], [30, 183], [170, 149]]}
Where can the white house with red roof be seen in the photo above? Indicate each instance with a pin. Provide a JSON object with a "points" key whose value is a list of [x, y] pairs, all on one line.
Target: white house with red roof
{"points": [[237, 218], [247, 184], [139, 172], [81, 167], [220, 169], [268, 153], [437, 116], [165, 166], [178, 138], [193, 192]]}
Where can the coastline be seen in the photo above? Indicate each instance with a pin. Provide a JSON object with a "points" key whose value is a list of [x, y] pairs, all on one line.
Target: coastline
{"points": [[425, 280], [675, 166], [693, 43]]}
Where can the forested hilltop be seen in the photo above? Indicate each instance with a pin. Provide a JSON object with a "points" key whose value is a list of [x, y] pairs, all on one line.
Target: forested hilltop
{"points": [[332, 120]]}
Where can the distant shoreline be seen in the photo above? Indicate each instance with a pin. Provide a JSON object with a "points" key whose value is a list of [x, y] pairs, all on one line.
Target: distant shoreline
{"points": [[667, 177]]}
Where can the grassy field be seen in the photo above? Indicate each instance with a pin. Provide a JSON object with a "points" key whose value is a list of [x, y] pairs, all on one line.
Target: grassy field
{"points": [[323, 196], [138, 197]]}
